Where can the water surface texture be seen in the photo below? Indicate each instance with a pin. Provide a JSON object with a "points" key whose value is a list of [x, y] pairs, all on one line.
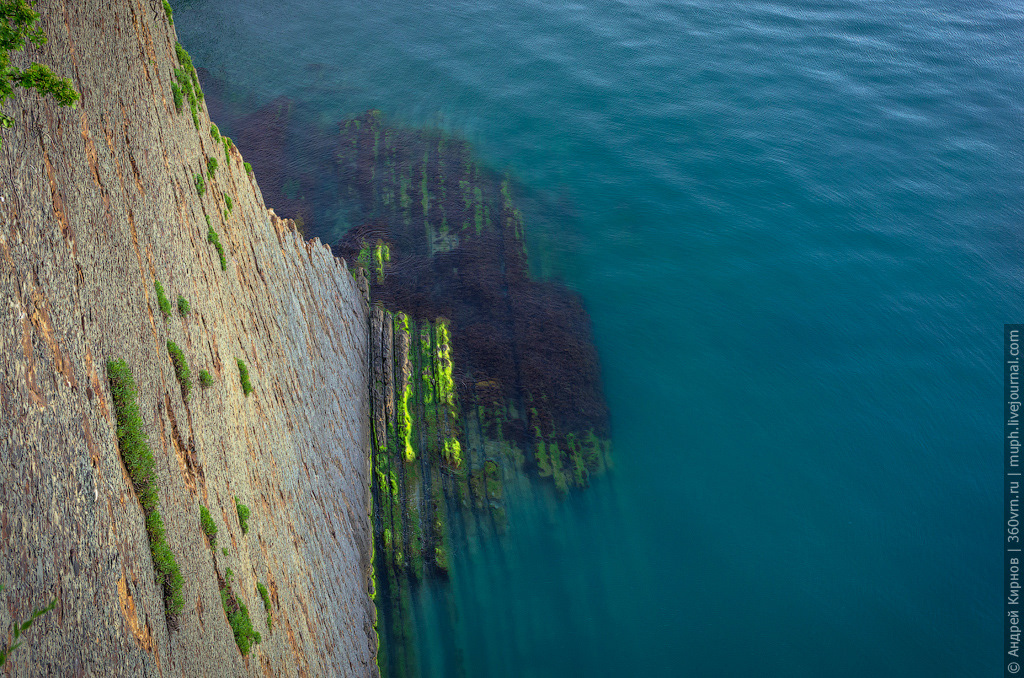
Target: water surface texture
{"points": [[797, 228]]}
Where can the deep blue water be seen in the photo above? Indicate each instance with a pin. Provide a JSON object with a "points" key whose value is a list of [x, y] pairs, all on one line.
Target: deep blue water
{"points": [[797, 226]]}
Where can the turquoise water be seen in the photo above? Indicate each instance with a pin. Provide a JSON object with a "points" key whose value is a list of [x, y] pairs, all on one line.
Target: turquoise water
{"points": [[797, 228]]}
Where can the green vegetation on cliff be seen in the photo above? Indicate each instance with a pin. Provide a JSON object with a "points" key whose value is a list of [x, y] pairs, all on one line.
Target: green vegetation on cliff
{"points": [[18, 20], [181, 370], [238, 616], [209, 527], [243, 376], [183, 306], [138, 459], [187, 84], [214, 239], [266, 604], [161, 299], [243, 515], [21, 627]]}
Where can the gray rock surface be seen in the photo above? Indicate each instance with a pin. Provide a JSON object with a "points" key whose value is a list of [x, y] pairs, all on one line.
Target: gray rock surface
{"points": [[97, 203]]}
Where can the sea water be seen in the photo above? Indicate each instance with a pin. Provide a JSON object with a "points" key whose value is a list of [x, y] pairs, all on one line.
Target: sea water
{"points": [[797, 227]]}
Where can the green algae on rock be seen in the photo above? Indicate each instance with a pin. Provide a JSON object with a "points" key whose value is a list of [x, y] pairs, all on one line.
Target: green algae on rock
{"points": [[441, 238], [478, 374]]}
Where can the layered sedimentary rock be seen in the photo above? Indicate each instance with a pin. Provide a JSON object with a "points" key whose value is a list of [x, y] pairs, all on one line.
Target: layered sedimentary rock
{"points": [[98, 204]]}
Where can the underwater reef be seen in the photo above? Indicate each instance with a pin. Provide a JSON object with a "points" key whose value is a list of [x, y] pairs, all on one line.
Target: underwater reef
{"points": [[478, 373]]}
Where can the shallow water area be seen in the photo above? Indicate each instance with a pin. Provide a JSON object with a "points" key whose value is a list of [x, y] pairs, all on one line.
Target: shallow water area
{"points": [[796, 228]]}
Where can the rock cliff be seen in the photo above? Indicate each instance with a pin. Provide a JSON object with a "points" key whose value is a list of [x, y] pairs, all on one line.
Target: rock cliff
{"points": [[97, 204]]}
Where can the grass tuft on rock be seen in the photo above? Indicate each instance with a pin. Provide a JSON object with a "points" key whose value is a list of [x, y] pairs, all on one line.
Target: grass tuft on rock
{"points": [[205, 380], [243, 515], [200, 185], [141, 466], [214, 239], [248, 168], [186, 84], [243, 375], [181, 370], [238, 617], [266, 604], [161, 299], [183, 306], [209, 527], [211, 167], [169, 12]]}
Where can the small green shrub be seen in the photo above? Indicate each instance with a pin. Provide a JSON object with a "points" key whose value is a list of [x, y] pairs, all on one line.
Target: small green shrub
{"points": [[187, 83], [230, 203], [161, 299], [209, 527], [169, 12], [205, 380], [176, 92], [214, 239], [243, 375], [183, 306], [138, 459], [243, 515], [200, 185], [224, 550], [248, 167], [238, 617], [227, 214], [21, 627], [168, 575], [266, 604], [181, 370], [211, 167], [228, 145], [17, 28], [215, 132]]}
